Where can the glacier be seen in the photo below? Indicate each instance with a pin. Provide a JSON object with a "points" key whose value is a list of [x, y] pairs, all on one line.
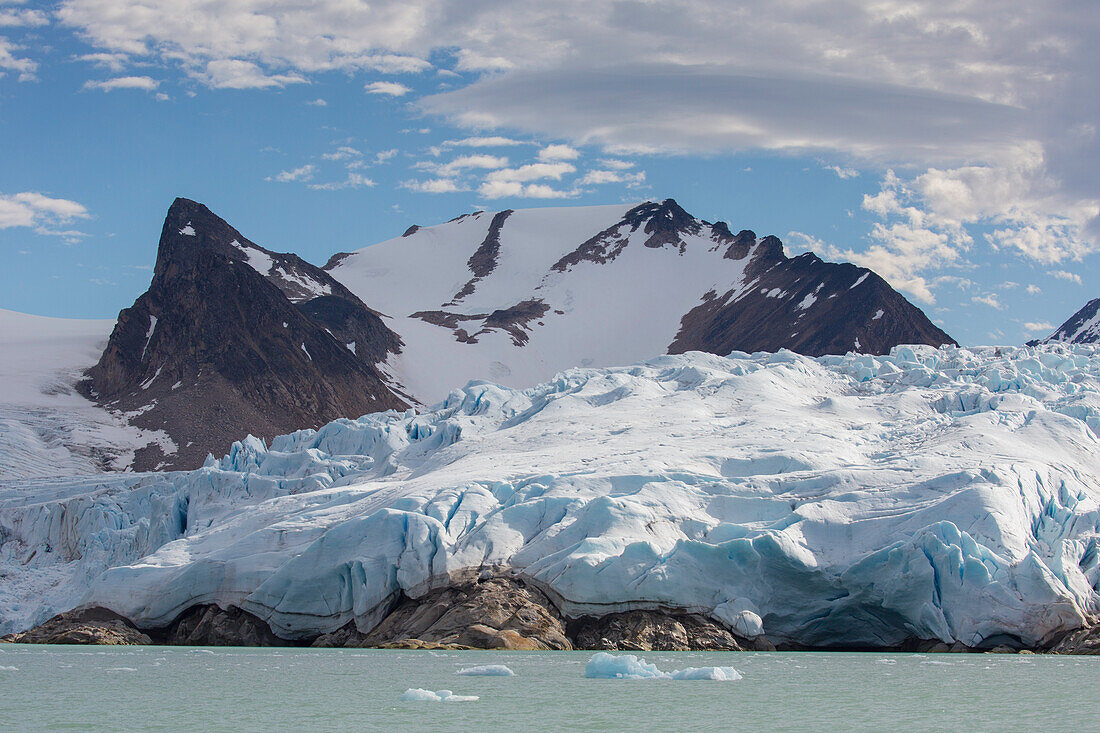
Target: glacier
{"points": [[949, 494]]}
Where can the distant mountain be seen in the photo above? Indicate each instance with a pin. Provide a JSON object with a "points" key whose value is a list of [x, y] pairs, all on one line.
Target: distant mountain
{"points": [[515, 296], [1083, 327], [232, 339]]}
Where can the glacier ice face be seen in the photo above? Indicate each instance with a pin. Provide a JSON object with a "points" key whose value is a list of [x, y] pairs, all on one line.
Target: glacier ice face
{"points": [[860, 500], [630, 667]]}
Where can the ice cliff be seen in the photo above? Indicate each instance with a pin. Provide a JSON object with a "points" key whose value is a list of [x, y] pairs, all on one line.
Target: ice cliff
{"points": [[939, 494]]}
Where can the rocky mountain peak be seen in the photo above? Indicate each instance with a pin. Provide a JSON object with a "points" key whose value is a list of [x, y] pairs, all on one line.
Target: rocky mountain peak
{"points": [[232, 339]]}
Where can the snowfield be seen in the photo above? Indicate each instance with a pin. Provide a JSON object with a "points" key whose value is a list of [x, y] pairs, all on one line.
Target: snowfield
{"points": [[46, 427], [942, 494]]}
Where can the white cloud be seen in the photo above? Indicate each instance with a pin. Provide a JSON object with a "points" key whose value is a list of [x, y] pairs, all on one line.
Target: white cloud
{"points": [[319, 102], [989, 299], [1072, 277], [239, 74], [344, 152], [435, 185], [843, 173], [9, 61], [491, 189], [43, 214], [492, 141], [385, 155], [143, 83], [390, 88], [1038, 327], [15, 17], [304, 173], [616, 164], [558, 152], [463, 162], [955, 87], [599, 177], [532, 172], [1034, 290], [113, 62], [354, 180]]}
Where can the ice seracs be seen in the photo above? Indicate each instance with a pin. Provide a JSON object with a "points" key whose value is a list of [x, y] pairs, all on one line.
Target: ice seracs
{"points": [[854, 500]]}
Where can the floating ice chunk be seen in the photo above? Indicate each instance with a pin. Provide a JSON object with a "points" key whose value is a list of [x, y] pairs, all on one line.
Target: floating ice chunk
{"points": [[417, 694], [487, 670], [9, 669], [624, 667], [629, 667], [720, 674]]}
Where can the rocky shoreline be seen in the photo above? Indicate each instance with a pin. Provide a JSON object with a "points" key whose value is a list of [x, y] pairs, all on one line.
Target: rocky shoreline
{"points": [[500, 612]]}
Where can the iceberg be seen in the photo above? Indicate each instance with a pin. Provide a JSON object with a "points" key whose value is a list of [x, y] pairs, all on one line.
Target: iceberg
{"points": [[939, 494], [416, 694], [629, 667], [487, 670]]}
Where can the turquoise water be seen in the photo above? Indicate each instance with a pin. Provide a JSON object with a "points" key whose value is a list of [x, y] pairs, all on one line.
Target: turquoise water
{"points": [[173, 688]]}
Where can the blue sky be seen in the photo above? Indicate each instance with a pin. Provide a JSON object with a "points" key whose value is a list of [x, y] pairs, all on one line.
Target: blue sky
{"points": [[953, 151]]}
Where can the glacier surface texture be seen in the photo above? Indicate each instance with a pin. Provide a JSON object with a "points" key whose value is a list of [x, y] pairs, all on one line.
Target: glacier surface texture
{"points": [[939, 494]]}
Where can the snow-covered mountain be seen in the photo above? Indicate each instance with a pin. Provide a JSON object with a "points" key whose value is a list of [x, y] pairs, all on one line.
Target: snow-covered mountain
{"points": [[845, 500], [515, 296], [1083, 327], [233, 339]]}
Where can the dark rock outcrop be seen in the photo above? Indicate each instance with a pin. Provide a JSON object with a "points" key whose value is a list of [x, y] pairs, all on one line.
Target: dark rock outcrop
{"points": [[213, 626], [1081, 641], [489, 613], [85, 626], [806, 305], [232, 339], [1083, 327], [656, 631]]}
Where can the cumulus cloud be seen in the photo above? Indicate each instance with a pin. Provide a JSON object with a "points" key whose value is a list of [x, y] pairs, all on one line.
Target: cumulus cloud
{"points": [[496, 189], [319, 102], [843, 173], [477, 141], [462, 163], [10, 61], [389, 88], [1034, 290], [558, 152], [1038, 327], [304, 173], [44, 214], [16, 17], [353, 180], [989, 299], [1072, 277], [599, 177], [143, 83], [970, 92], [531, 172], [239, 74], [434, 185], [344, 152]]}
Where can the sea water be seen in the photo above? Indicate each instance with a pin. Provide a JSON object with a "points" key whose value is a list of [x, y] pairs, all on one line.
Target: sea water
{"points": [[232, 689]]}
